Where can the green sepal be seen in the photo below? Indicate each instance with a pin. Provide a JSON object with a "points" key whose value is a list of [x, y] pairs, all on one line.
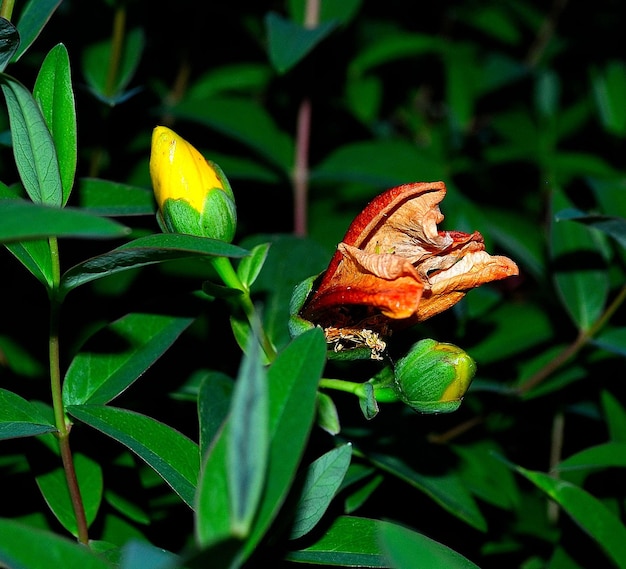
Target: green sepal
{"points": [[219, 216]]}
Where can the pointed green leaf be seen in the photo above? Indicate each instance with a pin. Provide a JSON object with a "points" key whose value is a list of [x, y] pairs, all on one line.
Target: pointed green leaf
{"points": [[53, 91], [289, 42], [293, 379], [97, 375], [53, 487], [22, 220], [146, 251], [250, 267], [248, 440], [406, 549], [447, 490], [171, 454], [348, 542], [36, 257], [322, 480], [9, 42], [615, 417], [104, 197], [587, 511], [599, 456], [213, 405], [33, 147], [33, 18], [580, 270], [26, 547], [20, 418]]}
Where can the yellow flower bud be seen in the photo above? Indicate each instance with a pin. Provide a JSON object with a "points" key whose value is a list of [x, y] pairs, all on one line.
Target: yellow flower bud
{"points": [[192, 193]]}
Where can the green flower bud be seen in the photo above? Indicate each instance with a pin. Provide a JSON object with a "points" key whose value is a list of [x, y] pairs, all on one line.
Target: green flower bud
{"points": [[433, 377], [193, 195]]}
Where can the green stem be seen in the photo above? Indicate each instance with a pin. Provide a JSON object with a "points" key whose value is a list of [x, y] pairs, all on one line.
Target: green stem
{"points": [[342, 385], [229, 277], [63, 430], [6, 9], [583, 337]]}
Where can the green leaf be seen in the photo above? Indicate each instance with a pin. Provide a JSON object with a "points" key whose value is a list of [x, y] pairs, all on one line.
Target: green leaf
{"points": [[245, 121], [613, 340], [172, 455], [9, 42], [613, 226], [580, 270], [615, 417], [146, 251], [22, 220], [348, 542], [104, 197], [53, 91], [53, 487], [292, 380], [609, 89], [32, 20], [248, 440], [20, 418], [138, 554], [26, 547], [250, 267], [35, 255], [213, 405], [588, 512], [96, 64], [321, 482], [118, 355], [33, 147], [604, 455], [447, 490], [406, 549], [288, 42]]}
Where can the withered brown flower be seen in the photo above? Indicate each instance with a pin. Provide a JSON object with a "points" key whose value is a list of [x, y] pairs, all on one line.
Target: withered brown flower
{"points": [[395, 268]]}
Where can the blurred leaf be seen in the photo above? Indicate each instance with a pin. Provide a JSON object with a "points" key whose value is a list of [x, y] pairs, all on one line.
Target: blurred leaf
{"points": [[369, 163], [19, 418], [580, 271], [100, 372], [9, 42], [613, 226], [96, 64], [406, 549], [588, 512], [33, 18], [53, 92], [146, 251], [348, 542], [172, 455], [289, 42], [446, 490], [138, 554], [104, 197], [213, 406], [18, 359], [247, 452], [236, 77], [26, 547], [53, 487], [609, 89], [33, 147], [615, 417], [320, 483], [343, 11], [245, 121], [612, 340], [605, 455]]}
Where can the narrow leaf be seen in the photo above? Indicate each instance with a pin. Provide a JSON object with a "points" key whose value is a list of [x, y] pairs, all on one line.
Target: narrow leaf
{"points": [[214, 399], [587, 511], [172, 455], [26, 547], [32, 20], [321, 482], [36, 257], [97, 374], [22, 220], [406, 549], [53, 91], [250, 267], [20, 418], [33, 147], [605, 455], [146, 251], [248, 441], [104, 197]]}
